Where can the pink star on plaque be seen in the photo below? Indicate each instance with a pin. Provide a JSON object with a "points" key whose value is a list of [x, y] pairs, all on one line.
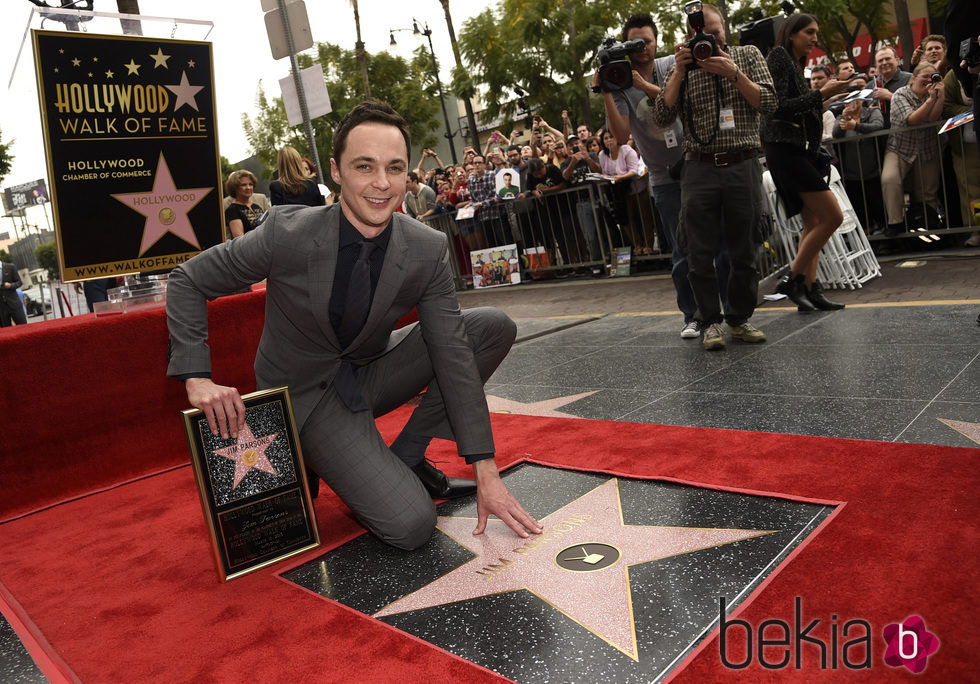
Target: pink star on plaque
{"points": [[579, 564], [165, 208], [185, 93], [248, 452]]}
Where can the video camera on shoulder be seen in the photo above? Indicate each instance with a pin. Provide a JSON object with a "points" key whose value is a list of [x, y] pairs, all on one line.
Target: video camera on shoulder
{"points": [[970, 51], [702, 45], [615, 71]]}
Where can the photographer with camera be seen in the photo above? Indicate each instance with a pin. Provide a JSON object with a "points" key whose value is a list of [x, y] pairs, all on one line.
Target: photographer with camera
{"points": [[574, 169], [913, 151], [719, 92], [629, 110]]}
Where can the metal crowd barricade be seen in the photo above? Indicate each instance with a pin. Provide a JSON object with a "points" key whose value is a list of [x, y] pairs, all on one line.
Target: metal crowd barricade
{"points": [[578, 229], [953, 214]]}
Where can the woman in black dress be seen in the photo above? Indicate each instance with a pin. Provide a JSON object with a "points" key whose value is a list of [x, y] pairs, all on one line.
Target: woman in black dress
{"points": [[295, 185], [242, 215], [792, 139]]}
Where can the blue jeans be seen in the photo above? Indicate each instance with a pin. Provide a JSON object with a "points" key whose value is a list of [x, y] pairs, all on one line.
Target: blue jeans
{"points": [[586, 219], [667, 200]]}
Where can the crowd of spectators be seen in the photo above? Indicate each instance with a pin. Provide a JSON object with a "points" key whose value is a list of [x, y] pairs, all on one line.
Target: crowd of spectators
{"points": [[639, 163]]}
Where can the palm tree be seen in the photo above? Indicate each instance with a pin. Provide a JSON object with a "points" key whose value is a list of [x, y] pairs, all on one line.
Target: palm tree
{"points": [[130, 26], [359, 49], [470, 117]]}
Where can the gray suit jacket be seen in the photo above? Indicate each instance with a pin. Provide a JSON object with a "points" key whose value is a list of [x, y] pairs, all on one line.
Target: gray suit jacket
{"points": [[295, 249]]}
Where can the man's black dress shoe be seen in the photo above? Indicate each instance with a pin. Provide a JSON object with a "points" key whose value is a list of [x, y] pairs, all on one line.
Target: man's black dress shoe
{"points": [[441, 487], [313, 480]]}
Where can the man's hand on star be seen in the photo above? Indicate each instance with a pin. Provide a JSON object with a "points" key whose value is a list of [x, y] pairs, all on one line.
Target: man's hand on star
{"points": [[493, 497]]}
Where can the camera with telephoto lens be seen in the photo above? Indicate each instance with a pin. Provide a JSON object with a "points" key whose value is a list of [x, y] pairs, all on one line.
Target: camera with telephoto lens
{"points": [[702, 45], [970, 51], [615, 71]]}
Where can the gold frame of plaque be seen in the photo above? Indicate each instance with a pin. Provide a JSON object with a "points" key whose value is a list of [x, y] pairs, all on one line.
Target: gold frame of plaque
{"points": [[254, 493]]}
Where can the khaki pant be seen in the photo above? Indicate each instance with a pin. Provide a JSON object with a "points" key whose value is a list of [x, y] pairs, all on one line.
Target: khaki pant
{"points": [[921, 177]]}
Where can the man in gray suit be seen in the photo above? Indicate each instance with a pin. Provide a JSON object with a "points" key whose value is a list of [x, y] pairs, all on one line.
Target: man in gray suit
{"points": [[340, 377]]}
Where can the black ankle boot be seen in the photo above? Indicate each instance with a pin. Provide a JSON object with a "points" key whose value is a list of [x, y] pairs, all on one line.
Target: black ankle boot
{"points": [[794, 287], [817, 298]]}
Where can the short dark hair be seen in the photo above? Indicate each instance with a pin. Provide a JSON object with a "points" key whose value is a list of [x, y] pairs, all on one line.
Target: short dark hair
{"points": [[639, 21], [845, 60], [534, 164], [794, 24], [412, 176], [514, 147], [821, 67], [508, 175], [235, 181], [375, 111]]}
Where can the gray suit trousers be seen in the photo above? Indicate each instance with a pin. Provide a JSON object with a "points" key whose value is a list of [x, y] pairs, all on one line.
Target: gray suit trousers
{"points": [[347, 451]]}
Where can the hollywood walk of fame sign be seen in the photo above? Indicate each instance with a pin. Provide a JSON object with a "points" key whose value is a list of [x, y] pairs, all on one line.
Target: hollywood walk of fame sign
{"points": [[622, 585], [132, 151], [253, 489]]}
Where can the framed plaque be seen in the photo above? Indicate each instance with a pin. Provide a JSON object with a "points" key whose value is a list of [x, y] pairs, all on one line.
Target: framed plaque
{"points": [[254, 492]]}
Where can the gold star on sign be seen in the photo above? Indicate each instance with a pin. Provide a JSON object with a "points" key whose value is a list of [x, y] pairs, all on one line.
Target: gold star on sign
{"points": [[109, 74], [90, 74], [76, 62], [61, 51], [190, 63], [160, 59], [56, 70], [95, 59], [132, 67]]}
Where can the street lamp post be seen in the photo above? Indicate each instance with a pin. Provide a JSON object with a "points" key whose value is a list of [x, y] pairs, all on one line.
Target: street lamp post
{"points": [[435, 70]]}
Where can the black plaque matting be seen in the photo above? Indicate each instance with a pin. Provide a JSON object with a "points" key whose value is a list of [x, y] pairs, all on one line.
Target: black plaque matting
{"points": [[574, 630], [132, 150], [254, 492]]}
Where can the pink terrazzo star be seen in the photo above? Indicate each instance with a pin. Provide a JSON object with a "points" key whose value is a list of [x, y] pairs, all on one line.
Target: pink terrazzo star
{"points": [[165, 208], [249, 452], [587, 533], [968, 430], [546, 407]]}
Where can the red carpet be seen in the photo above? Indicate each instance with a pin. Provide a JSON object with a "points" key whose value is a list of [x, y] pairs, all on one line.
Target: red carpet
{"points": [[122, 587]]}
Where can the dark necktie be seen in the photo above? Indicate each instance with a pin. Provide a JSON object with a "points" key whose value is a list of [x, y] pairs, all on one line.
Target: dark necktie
{"points": [[358, 299]]}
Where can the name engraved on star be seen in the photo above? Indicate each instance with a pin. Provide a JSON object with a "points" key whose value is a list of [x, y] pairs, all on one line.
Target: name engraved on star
{"points": [[564, 526], [491, 570], [557, 531], [165, 199]]}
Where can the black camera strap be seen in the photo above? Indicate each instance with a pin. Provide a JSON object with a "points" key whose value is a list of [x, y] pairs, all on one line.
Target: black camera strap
{"points": [[690, 115]]}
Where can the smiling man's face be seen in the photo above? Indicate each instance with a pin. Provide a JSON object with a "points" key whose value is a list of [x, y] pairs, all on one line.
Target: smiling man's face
{"points": [[373, 176]]}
